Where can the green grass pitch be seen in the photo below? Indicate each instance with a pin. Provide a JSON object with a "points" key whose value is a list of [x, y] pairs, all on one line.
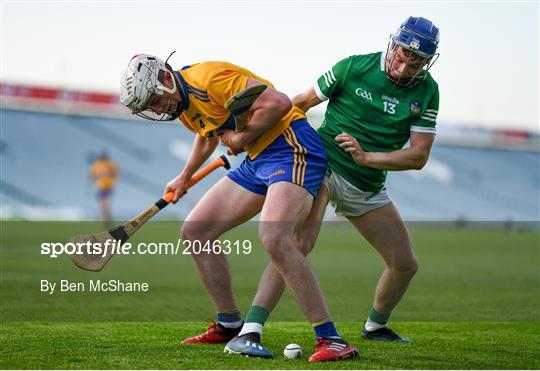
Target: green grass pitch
{"points": [[474, 303]]}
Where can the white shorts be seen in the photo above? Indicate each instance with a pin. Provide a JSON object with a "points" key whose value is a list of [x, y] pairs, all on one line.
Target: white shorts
{"points": [[348, 200]]}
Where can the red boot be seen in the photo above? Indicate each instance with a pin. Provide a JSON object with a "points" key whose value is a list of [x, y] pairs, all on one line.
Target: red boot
{"points": [[216, 334], [332, 350]]}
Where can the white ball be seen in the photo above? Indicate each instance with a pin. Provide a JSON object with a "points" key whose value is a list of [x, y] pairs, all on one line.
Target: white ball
{"points": [[292, 351]]}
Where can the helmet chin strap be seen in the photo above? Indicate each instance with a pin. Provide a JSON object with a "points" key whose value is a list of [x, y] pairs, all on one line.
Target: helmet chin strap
{"points": [[176, 113]]}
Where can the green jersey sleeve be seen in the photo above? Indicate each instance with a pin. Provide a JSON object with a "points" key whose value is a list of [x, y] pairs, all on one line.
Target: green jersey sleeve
{"points": [[428, 118], [330, 82]]}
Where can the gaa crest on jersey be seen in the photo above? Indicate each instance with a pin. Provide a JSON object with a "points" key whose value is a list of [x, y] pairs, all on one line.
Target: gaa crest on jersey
{"points": [[416, 107], [364, 94]]}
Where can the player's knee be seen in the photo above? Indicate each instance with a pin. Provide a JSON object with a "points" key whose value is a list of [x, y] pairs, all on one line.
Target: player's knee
{"points": [[275, 245], [186, 232], [192, 232], [407, 267]]}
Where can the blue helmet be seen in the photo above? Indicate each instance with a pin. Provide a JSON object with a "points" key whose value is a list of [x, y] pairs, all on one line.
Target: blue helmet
{"points": [[419, 35], [420, 39]]}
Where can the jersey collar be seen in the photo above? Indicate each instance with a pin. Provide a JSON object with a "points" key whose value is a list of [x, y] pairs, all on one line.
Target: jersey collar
{"points": [[185, 93]]}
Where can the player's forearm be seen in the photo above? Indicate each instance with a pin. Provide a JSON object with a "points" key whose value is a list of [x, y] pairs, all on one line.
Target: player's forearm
{"points": [[202, 149], [261, 121], [252, 131], [301, 102], [402, 159], [306, 100]]}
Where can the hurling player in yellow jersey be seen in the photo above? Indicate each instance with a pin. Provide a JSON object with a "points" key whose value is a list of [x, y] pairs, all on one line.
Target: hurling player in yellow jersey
{"points": [[104, 173], [279, 178]]}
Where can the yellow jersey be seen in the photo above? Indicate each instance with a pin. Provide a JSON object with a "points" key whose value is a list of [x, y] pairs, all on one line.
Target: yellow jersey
{"points": [[104, 174], [207, 86]]}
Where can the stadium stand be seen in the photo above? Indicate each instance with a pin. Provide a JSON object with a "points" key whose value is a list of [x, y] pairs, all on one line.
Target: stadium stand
{"points": [[470, 184], [45, 157]]}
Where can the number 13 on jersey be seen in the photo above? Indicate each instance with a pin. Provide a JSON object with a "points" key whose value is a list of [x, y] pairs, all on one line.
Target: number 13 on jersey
{"points": [[389, 108]]}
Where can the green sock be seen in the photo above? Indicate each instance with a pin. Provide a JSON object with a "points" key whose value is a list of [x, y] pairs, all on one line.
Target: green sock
{"points": [[381, 318], [255, 319], [257, 314]]}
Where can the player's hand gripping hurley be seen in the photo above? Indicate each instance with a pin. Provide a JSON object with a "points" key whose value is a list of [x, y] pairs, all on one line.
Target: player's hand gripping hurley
{"points": [[96, 262]]}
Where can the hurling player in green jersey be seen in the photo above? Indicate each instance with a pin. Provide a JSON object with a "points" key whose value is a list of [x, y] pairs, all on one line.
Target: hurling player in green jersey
{"points": [[376, 103]]}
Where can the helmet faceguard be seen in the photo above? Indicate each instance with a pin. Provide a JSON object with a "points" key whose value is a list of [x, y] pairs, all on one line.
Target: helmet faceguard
{"points": [[418, 38], [143, 78]]}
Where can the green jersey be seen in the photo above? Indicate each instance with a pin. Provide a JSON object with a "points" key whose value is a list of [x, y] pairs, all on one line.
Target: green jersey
{"points": [[364, 103]]}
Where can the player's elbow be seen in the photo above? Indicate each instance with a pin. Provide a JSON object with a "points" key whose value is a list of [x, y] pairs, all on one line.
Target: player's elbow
{"points": [[417, 157], [420, 161], [281, 104]]}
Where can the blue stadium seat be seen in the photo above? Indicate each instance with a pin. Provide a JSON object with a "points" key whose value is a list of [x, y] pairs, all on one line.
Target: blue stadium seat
{"points": [[45, 159]]}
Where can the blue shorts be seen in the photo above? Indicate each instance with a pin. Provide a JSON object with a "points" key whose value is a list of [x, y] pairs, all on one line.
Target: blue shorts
{"points": [[296, 156], [104, 193]]}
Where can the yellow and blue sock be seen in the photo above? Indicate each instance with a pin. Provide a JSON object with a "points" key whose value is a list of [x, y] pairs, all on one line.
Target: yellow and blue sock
{"points": [[231, 319], [326, 329]]}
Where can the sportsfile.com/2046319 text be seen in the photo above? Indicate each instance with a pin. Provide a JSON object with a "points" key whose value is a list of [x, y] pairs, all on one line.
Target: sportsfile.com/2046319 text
{"points": [[183, 247]]}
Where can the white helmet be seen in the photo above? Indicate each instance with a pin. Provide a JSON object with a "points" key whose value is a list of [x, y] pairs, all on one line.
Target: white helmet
{"points": [[143, 78]]}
